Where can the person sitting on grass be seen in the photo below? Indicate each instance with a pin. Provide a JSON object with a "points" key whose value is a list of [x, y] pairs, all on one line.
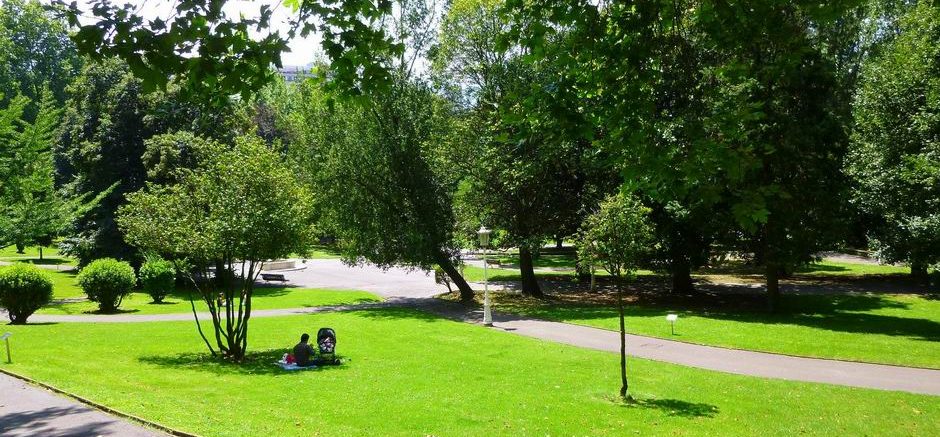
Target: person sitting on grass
{"points": [[303, 351]]}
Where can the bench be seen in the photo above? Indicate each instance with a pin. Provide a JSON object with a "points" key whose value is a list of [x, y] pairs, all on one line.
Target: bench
{"points": [[275, 277]]}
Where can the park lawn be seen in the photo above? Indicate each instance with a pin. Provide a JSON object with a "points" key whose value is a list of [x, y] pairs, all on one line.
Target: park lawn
{"points": [[409, 373], [65, 285], [262, 299], [877, 328], [30, 254]]}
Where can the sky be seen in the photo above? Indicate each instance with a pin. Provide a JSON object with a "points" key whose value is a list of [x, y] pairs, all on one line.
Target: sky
{"points": [[303, 50]]}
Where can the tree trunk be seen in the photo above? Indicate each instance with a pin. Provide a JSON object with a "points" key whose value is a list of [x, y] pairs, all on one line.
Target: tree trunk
{"points": [[40, 253], [919, 272], [682, 276], [530, 285], [773, 287], [623, 342], [466, 293], [20, 247], [559, 242], [221, 274]]}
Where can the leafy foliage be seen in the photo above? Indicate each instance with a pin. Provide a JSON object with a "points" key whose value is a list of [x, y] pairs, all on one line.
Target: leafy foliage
{"points": [[617, 237], [24, 288], [107, 281], [36, 54], [158, 277], [108, 141], [895, 159], [214, 55], [32, 210], [239, 204]]}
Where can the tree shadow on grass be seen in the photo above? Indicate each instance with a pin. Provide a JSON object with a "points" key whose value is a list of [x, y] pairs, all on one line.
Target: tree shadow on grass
{"points": [[675, 407], [259, 362], [397, 313]]}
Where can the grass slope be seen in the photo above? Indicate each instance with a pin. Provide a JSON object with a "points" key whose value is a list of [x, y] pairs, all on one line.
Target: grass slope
{"points": [[412, 374]]}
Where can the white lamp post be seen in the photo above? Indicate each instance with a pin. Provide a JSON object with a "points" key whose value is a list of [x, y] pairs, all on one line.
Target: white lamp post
{"points": [[484, 235], [671, 318]]}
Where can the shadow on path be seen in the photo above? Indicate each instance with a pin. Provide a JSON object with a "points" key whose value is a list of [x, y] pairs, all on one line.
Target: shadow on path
{"points": [[38, 423]]}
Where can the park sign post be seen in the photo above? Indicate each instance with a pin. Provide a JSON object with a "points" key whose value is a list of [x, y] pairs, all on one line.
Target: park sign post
{"points": [[6, 338]]}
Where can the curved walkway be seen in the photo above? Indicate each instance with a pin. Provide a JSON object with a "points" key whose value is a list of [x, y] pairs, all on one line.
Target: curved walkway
{"points": [[742, 362]]}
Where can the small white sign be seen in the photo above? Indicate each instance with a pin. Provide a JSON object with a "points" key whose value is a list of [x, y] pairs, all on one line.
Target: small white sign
{"points": [[6, 335], [672, 317]]}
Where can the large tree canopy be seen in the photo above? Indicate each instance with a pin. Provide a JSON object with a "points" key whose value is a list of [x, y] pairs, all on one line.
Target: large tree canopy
{"points": [[895, 159], [35, 54]]}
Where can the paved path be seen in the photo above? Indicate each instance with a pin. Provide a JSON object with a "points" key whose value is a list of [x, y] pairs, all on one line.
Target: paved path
{"points": [[394, 282], [27, 410]]}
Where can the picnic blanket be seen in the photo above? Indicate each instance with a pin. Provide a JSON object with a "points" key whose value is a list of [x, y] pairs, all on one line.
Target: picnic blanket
{"points": [[292, 366]]}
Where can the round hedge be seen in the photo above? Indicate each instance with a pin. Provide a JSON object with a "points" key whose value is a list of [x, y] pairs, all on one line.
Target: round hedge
{"points": [[24, 288], [107, 281], [158, 276]]}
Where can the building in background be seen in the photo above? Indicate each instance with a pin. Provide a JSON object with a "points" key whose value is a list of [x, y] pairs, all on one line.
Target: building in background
{"points": [[295, 73]]}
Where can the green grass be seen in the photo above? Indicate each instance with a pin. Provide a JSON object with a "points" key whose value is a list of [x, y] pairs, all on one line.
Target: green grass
{"points": [[66, 287], [408, 373], [890, 329], [322, 252], [262, 299], [51, 256]]}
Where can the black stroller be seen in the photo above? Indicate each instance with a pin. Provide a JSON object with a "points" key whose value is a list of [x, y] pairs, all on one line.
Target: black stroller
{"points": [[326, 343]]}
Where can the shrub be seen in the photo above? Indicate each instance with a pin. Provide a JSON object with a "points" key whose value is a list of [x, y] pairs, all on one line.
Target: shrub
{"points": [[106, 281], [158, 277], [24, 289]]}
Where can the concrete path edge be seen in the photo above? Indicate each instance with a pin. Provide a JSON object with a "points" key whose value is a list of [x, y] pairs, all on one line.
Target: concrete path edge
{"points": [[100, 407]]}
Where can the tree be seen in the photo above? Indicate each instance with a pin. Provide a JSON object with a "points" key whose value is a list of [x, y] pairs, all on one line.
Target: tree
{"points": [[108, 123], [617, 237], [763, 93], [240, 205], [101, 146], [895, 156], [527, 178], [35, 54], [32, 210]]}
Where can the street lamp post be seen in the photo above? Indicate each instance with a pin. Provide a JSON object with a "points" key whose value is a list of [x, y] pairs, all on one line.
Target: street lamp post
{"points": [[484, 242]]}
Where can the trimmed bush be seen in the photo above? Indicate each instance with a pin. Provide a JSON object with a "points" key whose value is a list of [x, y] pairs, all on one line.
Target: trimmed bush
{"points": [[107, 281], [158, 276], [24, 288]]}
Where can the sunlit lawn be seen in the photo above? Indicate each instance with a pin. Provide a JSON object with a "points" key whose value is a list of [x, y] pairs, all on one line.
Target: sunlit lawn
{"points": [[30, 254], [264, 297], [891, 329], [408, 373]]}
